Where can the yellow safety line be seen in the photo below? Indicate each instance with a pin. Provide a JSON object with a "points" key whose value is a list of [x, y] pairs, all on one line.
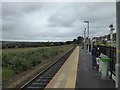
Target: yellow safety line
{"points": [[118, 51], [71, 81], [60, 76], [66, 76]]}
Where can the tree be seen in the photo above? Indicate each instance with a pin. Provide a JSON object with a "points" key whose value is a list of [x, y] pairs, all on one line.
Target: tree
{"points": [[75, 41], [80, 40]]}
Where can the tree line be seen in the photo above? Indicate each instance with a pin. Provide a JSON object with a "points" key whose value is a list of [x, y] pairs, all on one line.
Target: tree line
{"points": [[16, 44]]}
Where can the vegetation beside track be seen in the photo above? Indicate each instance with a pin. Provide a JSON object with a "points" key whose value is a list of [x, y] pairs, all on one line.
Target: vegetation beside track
{"points": [[17, 60]]}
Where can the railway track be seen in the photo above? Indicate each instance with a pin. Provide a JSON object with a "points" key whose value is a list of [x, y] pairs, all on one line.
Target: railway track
{"points": [[44, 77]]}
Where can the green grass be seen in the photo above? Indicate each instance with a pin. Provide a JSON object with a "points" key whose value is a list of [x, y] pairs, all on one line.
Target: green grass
{"points": [[0, 65], [15, 61], [7, 73], [0, 74]]}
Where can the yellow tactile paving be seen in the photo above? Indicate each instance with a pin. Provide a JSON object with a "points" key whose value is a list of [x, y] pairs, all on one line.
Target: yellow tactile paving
{"points": [[66, 76]]}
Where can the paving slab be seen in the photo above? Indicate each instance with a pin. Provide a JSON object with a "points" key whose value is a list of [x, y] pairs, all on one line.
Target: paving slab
{"points": [[88, 77]]}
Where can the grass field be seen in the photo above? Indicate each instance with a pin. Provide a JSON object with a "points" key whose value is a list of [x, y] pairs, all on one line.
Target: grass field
{"points": [[0, 65], [17, 60]]}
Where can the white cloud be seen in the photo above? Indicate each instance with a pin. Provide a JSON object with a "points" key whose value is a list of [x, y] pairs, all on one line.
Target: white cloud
{"points": [[55, 21]]}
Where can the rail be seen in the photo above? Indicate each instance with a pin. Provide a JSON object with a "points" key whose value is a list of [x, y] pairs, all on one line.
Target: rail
{"points": [[43, 78]]}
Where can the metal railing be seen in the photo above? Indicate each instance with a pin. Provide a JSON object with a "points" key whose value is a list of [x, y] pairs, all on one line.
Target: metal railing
{"points": [[110, 52]]}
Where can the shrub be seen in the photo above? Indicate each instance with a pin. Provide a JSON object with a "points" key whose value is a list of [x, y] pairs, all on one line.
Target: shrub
{"points": [[16, 61]]}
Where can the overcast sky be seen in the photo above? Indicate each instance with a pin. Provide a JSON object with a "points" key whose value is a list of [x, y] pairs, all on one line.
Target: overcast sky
{"points": [[55, 21]]}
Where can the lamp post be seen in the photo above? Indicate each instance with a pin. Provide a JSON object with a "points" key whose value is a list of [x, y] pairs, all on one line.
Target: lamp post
{"points": [[84, 38], [87, 33], [91, 44], [111, 33], [117, 66]]}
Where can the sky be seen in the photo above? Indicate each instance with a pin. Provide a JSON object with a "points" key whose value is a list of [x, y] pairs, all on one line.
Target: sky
{"points": [[55, 21]]}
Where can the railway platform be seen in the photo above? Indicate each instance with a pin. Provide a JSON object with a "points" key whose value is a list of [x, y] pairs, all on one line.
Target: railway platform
{"points": [[77, 72], [88, 77], [66, 76]]}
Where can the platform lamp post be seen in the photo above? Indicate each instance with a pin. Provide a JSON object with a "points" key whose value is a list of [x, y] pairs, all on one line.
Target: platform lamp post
{"points": [[117, 66], [87, 33], [91, 44], [111, 33], [85, 39]]}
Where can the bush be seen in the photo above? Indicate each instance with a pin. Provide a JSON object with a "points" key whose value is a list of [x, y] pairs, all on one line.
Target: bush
{"points": [[16, 61]]}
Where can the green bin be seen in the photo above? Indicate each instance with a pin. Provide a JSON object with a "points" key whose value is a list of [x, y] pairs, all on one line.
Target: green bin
{"points": [[106, 59], [105, 67]]}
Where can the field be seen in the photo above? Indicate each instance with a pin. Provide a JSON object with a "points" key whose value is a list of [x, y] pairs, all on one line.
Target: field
{"points": [[17, 60]]}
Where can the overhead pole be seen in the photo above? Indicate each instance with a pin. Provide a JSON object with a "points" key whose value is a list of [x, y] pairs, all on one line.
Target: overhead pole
{"points": [[87, 33], [88, 37], [118, 44], [91, 44], [111, 34], [85, 39]]}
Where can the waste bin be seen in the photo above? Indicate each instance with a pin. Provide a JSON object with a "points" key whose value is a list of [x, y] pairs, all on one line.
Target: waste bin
{"points": [[104, 61], [99, 62]]}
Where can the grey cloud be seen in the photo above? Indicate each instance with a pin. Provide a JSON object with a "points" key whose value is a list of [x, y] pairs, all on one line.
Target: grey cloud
{"points": [[10, 10], [94, 12], [64, 20], [21, 7], [55, 21]]}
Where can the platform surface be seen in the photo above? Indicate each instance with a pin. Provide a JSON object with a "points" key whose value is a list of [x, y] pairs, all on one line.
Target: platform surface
{"points": [[88, 77], [66, 76], [77, 72]]}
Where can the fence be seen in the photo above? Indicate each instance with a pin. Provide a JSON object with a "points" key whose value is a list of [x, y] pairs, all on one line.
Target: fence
{"points": [[111, 53]]}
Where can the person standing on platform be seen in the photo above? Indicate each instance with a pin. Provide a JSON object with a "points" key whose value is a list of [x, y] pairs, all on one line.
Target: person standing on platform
{"points": [[94, 54]]}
